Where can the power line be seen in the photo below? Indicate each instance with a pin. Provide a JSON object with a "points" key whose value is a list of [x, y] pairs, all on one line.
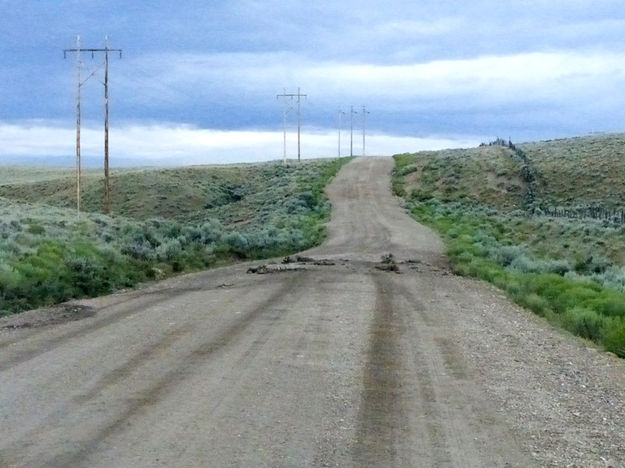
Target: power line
{"points": [[299, 125], [79, 83]]}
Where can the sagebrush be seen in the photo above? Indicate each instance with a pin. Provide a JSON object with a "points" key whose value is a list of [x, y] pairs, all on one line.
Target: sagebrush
{"points": [[48, 254]]}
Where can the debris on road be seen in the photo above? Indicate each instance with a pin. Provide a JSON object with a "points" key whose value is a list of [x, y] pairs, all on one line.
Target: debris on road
{"points": [[388, 263], [272, 268], [307, 260], [259, 270], [411, 262]]}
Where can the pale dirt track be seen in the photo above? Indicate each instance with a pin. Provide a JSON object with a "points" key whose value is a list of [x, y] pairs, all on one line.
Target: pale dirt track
{"points": [[336, 365]]}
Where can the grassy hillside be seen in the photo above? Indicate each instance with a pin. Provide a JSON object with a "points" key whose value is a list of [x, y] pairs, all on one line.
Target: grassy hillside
{"points": [[165, 221], [575, 171], [488, 174], [569, 269], [178, 193]]}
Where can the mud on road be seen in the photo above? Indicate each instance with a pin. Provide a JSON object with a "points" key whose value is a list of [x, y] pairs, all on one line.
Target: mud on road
{"points": [[332, 359]]}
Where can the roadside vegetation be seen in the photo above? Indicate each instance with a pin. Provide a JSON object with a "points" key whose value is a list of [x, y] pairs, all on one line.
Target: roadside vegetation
{"points": [[493, 218], [165, 221]]}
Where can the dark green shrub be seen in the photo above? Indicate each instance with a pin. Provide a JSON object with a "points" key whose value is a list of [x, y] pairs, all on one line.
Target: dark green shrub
{"points": [[609, 304], [614, 335], [85, 275], [583, 322], [36, 229]]}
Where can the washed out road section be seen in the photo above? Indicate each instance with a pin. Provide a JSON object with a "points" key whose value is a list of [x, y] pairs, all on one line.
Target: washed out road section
{"points": [[342, 362]]}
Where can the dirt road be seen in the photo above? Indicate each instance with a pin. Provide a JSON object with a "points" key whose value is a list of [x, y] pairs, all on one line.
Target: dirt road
{"points": [[332, 364]]}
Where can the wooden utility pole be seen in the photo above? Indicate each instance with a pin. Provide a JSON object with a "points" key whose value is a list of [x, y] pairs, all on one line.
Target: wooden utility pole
{"points": [[364, 127], [299, 125], [340, 124], [285, 110], [351, 131], [107, 186], [78, 116]]}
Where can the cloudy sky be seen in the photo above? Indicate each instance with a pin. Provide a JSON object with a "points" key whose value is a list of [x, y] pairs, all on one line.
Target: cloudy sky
{"points": [[198, 79]]}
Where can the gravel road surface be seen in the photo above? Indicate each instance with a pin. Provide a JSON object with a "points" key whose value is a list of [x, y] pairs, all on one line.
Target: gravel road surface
{"points": [[332, 360]]}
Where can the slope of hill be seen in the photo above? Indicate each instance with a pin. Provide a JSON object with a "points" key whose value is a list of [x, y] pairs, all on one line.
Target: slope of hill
{"points": [[584, 170], [569, 173], [489, 174], [181, 194], [499, 226]]}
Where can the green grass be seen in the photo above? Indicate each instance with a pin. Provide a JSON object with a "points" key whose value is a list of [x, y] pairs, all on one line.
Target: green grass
{"points": [[48, 254], [569, 271]]}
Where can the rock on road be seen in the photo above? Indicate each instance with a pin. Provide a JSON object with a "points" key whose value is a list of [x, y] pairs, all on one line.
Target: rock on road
{"points": [[335, 364]]}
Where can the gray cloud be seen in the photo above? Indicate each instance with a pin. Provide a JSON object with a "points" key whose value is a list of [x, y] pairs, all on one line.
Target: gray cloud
{"points": [[434, 67], [245, 85]]}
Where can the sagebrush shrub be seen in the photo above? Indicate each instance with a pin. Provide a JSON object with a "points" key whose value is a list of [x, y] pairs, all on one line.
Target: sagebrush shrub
{"points": [[583, 322]]}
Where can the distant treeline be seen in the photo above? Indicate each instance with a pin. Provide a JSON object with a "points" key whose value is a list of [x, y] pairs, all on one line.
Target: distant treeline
{"points": [[500, 142]]}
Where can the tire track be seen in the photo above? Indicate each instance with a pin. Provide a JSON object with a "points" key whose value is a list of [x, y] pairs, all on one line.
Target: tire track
{"points": [[106, 381], [384, 435], [450, 439], [380, 418], [56, 341], [453, 409], [118, 374], [129, 297], [171, 379], [144, 299], [275, 331]]}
